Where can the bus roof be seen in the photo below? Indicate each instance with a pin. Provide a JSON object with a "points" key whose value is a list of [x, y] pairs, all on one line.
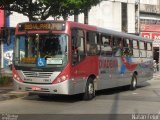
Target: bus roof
{"points": [[97, 29], [122, 34], [109, 32]]}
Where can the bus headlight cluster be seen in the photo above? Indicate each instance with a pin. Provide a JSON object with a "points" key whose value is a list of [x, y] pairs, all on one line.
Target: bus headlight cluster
{"points": [[16, 77], [60, 79]]}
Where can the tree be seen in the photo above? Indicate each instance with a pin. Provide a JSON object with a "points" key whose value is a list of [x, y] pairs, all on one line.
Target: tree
{"points": [[5, 2], [75, 7], [42, 9], [33, 9]]}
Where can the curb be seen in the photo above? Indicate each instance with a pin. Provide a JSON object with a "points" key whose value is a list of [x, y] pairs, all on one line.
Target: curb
{"points": [[12, 95]]}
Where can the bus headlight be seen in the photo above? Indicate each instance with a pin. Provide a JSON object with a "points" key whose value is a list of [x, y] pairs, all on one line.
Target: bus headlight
{"points": [[60, 79], [16, 76]]}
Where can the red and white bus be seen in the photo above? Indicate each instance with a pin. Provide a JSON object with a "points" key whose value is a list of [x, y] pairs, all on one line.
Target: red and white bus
{"points": [[64, 57]]}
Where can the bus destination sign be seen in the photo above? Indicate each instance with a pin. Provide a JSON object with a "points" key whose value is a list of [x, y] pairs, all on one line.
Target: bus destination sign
{"points": [[57, 26]]}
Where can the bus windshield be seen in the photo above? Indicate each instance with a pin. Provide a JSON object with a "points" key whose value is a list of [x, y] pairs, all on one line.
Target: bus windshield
{"points": [[52, 49]]}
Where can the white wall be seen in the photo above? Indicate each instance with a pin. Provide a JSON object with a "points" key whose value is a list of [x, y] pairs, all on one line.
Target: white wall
{"points": [[131, 18], [151, 2], [117, 16], [101, 15], [107, 15], [16, 18]]}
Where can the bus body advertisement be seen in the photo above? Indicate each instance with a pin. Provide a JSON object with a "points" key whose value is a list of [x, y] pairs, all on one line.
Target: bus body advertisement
{"points": [[64, 57]]}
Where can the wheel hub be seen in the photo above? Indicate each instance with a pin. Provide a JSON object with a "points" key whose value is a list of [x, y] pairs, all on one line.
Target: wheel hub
{"points": [[90, 88]]}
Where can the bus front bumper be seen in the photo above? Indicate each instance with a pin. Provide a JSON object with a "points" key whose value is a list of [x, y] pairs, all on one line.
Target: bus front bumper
{"points": [[64, 88]]}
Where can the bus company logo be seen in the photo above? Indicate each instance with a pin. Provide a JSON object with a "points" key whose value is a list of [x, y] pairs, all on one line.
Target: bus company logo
{"points": [[108, 63], [127, 64], [36, 74]]}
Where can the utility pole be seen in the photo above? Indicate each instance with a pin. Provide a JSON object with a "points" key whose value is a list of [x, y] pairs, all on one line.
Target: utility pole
{"points": [[159, 42], [137, 17]]}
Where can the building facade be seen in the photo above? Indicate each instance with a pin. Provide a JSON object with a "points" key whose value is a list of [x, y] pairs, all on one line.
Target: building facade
{"points": [[150, 23], [119, 15]]}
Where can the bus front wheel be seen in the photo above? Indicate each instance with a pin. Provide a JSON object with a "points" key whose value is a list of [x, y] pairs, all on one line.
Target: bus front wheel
{"points": [[89, 90], [133, 85]]}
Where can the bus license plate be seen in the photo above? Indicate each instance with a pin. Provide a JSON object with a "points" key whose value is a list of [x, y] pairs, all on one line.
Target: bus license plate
{"points": [[36, 88]]}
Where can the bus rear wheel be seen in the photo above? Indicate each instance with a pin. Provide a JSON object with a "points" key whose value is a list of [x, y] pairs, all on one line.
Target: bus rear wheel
{"points": [[89, 90], [133, 85]]}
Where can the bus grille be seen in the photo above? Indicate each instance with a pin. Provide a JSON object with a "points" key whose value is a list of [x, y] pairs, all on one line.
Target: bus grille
{"points": [[37, 74]]}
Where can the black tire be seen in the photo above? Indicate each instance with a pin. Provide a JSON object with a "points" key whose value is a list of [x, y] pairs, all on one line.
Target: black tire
{"points": [[89, 90], [133, 85]]}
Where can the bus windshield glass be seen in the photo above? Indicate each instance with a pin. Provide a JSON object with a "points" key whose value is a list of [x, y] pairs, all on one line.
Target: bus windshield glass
{"points": [[41, 50]]}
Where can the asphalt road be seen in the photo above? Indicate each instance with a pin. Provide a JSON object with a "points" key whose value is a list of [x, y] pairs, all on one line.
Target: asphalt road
{"points": [[111, 104]]}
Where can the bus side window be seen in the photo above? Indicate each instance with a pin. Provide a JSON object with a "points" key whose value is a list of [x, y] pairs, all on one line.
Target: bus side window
{"points": [[142, 49], [135, 48], [92, 43], [106, 48], [77, 46], [117, 46], [127, 47], [149, 50], [98, 42]]}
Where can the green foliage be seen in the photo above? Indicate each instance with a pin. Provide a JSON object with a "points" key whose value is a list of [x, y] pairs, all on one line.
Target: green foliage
{"points": [[126, 52], [42, 9], [5, 80]]}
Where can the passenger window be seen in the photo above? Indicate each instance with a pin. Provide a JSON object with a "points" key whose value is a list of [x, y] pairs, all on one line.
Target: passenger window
{"points": [[117, 46], [149, 46], [127, 43], [142, 49], [106, 48], [141, 45], [135, 48], [78, 51], [93, 46], [135, 44], [127, 47], [149, 50]]}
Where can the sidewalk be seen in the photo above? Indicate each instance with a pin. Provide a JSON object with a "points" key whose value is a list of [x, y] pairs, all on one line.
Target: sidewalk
{"points": [[156, 75], [7, 92]]}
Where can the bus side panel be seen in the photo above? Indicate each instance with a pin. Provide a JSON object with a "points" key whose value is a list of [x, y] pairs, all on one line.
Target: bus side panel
{"points": [[108, 72], [145, 70], [113, 72], [81, 72]]}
